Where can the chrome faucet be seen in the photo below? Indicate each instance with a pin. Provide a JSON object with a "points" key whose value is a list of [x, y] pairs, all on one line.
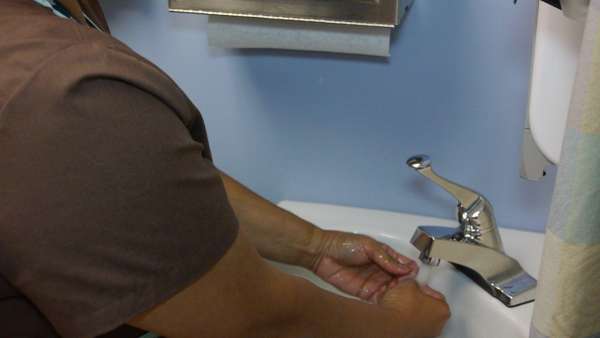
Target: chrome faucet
{"points": [[475, 246]]}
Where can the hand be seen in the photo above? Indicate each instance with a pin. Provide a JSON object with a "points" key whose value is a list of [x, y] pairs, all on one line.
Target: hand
{"points": [[359, 265], [422, 307]]}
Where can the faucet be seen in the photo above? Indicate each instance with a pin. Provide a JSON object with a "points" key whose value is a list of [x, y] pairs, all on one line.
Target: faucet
{"points": [[475, 246]]}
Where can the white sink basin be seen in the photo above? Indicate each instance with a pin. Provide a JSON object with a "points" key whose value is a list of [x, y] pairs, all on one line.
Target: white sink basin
{"points": [[475, 314]]}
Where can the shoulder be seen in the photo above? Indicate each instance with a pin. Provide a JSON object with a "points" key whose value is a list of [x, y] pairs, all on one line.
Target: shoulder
{"points": [[105, 59], [48, 58], [98, 62]]}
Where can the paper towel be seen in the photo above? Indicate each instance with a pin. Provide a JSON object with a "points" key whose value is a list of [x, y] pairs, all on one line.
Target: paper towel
{"points": [[575, 9], [242, 32]]}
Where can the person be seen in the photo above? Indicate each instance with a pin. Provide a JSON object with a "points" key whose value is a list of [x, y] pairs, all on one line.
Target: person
{"points": [[113, 212]]}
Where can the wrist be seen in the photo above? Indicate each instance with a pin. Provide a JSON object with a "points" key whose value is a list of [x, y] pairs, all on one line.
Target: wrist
{"points": [[308, 248]]}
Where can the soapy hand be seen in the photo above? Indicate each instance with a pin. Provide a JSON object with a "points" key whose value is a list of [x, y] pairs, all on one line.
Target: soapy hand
{"points": [[360, 265]]}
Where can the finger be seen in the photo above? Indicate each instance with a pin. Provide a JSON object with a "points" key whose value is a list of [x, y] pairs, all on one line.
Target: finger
{"points": [[373, 279], [368, 282], [378, 295], [400, 280], [377, 253], [412, 264], [400, 258], [414, 267], [432, 293]]}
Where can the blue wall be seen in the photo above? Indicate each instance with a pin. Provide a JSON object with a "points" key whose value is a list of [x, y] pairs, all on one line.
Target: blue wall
{"points": [[338, 129]]}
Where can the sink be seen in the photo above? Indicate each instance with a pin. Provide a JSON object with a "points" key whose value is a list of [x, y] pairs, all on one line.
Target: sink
{"points": [[475, 314]]}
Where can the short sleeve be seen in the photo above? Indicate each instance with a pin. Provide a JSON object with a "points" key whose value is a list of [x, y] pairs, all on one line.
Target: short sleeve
{"points": [[110, 202]]}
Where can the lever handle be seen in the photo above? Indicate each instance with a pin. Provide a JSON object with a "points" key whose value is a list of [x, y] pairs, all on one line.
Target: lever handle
{"points": [[465, 196]]}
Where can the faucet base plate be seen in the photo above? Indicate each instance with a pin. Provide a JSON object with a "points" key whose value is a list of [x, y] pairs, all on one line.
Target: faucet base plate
{"points": [[513, 292]]}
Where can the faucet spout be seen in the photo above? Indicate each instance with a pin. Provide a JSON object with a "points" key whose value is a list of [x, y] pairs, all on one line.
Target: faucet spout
{"points": [[475, 246], [499, 274]]}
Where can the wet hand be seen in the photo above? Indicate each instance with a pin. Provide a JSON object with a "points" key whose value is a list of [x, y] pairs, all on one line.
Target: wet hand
{"points": [[360, 265], [422, 308]]}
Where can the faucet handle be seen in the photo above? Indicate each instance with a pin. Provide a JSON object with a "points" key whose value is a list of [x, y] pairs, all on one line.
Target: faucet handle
{"points": [[475, 212], [465, 196]]}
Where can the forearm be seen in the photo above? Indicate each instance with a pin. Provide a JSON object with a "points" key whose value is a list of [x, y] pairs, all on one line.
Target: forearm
{"points": [[245, 297], [277, 234], [296, 308]]}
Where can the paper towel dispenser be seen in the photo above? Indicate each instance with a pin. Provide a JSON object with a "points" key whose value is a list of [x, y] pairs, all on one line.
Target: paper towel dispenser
{"points": [[382, 13], [341, 26]]}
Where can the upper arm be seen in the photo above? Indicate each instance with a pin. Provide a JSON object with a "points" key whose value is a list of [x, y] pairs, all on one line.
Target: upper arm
{"points": [[110, 205]]}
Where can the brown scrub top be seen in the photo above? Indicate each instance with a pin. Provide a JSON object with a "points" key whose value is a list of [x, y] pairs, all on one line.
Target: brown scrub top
{"points": [[109, 201]]}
